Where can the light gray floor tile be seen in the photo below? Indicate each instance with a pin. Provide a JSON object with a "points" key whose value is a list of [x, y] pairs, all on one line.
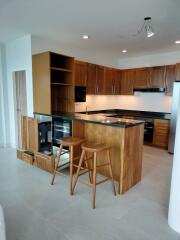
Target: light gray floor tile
{"points": [[36, 210]]}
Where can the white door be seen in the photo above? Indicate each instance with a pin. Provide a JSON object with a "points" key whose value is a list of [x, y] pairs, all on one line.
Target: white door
{"points": [[20, 102]]}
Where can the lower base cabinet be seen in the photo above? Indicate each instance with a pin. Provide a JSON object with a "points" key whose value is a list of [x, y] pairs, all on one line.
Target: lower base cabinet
{"points": [[25, 156], [161, 133], [44, 162]]}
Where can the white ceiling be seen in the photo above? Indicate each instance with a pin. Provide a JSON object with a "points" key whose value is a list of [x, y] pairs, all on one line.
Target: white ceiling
{"points": [[109, 23]]}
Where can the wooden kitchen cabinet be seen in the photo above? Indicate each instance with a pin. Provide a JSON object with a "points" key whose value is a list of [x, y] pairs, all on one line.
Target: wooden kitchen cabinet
{"points": [[161, 133], [95, 79], [170, 78], [141, 78], [80, 73], [30, 134], [99, 79], [126, 83], [108, 81], [91, 78], [157, 77], [44, 162], [177, 71], [53, 83], [116, 75]]}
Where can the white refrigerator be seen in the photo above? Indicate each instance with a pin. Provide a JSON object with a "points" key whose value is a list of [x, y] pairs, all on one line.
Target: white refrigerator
{"points": [[176, 95]]}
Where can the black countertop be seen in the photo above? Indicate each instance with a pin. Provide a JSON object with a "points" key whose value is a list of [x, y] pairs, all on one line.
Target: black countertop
{"points": [[96, 118], [135, 113]]}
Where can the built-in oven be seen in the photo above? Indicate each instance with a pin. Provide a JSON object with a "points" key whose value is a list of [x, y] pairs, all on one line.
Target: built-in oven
{"points": [[60, 128]]}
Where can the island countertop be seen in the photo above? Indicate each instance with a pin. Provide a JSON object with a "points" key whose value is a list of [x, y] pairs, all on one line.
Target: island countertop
{"points": [[96, 118]]}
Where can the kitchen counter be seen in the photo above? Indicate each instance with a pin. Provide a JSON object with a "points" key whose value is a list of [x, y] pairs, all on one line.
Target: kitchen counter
{"points": [[135, 113], [104, 119], [124, 136]]}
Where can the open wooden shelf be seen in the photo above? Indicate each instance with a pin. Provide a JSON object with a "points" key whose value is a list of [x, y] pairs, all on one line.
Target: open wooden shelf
{"points": [[61, 69], [62, 84], [53, 82]]}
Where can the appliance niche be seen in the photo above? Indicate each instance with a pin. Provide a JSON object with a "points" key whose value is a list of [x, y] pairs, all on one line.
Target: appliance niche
{"points": [[60, 128]]}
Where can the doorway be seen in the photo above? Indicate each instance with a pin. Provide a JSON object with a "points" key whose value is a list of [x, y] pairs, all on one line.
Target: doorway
{"points": [[20, 103]]}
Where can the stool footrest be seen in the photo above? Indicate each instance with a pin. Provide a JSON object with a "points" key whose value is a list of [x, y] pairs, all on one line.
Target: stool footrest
{"points": [[103, 165], [102, 181]]}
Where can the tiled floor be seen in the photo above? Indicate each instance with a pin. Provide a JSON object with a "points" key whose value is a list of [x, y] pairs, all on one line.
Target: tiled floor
{"points": [[35, 210]]}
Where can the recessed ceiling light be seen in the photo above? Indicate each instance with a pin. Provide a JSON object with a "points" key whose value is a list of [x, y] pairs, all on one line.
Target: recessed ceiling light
{"points": [[85, 36], [124, 51], [177, 42]]}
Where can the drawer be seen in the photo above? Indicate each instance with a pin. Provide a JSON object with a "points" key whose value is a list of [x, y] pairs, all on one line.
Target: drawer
{"points": [[19, 154], [161, 131], [27, 158], [44, 162], [161, 123]]}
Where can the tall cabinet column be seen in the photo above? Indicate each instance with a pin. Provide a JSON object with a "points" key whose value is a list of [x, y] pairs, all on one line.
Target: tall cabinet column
{"points": [[174, 204]]}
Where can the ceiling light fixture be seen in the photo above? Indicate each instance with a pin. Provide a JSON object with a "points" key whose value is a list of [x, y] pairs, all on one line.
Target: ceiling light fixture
{"points": [[124, 51], [146, 27], [85, 36], [177, 42]]}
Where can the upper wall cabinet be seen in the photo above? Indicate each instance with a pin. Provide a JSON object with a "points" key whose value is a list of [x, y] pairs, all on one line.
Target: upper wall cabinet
{"points": [[53, 85], [95, 79], [141, 78], [157, 77], [91, 78], [108, 81], [80, 73], [116, 76], [178, 72], [170, 78], [99, 79], [126, 83]]}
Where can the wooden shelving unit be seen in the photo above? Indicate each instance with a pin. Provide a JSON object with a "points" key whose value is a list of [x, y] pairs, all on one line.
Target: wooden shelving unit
{"points": [[53, 83]]}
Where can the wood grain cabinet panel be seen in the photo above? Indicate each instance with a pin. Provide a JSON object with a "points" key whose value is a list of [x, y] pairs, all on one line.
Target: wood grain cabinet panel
{"points": [[177, 71], [32, 134], [170, 78], [161, 133], [116, 75], [108, 81], [126, 85], [141, 78], [99, 79], [91, 78], [157, 77], [80, 73], [44, 162]]}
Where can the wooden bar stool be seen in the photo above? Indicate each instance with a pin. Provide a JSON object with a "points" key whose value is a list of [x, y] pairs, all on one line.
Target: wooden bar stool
{"points": [[94, 148], [69, 142]]}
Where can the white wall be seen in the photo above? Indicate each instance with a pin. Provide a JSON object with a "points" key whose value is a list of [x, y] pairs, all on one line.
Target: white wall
{"points": [[155, 102], [2, 129], [18, 57], [149, 60]]}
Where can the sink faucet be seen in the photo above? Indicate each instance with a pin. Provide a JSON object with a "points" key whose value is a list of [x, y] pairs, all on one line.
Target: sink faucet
{"points": [[86, 109]]}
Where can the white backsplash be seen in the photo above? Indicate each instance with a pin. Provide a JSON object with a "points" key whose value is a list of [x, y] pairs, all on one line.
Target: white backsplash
{"points": [[155, 102]]}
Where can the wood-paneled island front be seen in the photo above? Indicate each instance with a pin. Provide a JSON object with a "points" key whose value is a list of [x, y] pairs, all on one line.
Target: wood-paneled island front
{"points": [[125, 137]]}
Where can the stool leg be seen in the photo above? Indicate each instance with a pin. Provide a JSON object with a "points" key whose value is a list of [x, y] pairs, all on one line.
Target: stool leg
{"points": [[57, 164], [78, 170], [94, 180], [111, 173], [71, 169], [89, 169]]}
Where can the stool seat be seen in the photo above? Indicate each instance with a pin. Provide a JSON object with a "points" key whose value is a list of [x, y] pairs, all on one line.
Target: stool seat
{"points": [[94, 147], [71, 141]]}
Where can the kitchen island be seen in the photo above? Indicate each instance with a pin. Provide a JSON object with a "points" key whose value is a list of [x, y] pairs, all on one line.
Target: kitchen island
{"points": [[125, 136]]}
